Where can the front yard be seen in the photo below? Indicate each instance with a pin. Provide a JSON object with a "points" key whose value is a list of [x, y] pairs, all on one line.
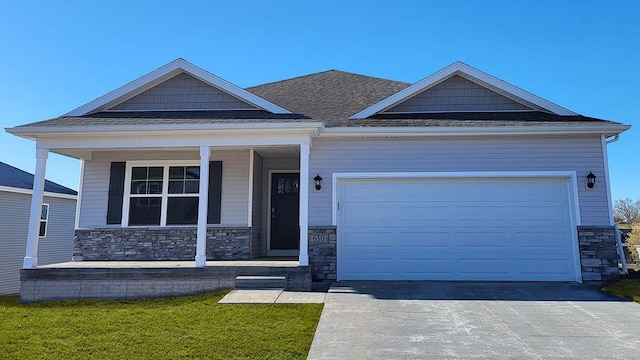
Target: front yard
{"points": [[194, 327]]}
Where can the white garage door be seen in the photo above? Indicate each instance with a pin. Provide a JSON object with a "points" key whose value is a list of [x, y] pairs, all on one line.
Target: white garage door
{"points": [[456, 229]]}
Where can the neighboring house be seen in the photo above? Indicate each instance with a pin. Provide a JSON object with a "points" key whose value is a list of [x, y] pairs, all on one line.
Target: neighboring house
{"points": [[460, 176], [55, 225]]}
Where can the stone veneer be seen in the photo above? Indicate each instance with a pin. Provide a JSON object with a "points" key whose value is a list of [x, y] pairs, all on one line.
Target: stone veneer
{"points": [[169, 243], [598, 253], [322, 256]]}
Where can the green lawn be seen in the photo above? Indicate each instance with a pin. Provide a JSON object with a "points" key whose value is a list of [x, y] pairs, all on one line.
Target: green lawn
{"points": [[194, 327], [629, 288]]}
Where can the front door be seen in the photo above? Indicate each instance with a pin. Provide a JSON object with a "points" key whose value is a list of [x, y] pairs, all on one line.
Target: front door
{"points": [[285, 205]]}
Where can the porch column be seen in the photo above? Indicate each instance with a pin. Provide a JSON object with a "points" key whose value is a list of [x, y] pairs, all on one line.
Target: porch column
{"points": [[31, 256], [203, 201], [304, 205]]}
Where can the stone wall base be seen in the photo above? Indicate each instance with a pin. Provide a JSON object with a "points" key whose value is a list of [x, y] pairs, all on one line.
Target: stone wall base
{"points": [[598, 253], [169, 243], [53, 284], [322, 256]]}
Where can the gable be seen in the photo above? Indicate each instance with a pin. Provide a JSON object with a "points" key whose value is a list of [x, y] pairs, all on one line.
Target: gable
{"points": [[457, 94], [182, 92], [475, 76]]}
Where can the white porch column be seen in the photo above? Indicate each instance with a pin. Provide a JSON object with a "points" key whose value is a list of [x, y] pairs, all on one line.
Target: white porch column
{"points": [[304, 205], [31, 256], [203, 202]]}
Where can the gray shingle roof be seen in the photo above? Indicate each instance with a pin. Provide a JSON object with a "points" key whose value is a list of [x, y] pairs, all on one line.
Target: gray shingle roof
{"points": [[13, 177], [332, 97]]}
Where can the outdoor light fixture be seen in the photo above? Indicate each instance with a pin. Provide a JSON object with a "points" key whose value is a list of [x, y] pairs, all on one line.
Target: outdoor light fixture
{"points": [[591, 180], [318, 181]]}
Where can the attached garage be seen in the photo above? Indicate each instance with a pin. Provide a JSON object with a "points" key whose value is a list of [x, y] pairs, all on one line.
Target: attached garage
{"points": [[482, 226]]}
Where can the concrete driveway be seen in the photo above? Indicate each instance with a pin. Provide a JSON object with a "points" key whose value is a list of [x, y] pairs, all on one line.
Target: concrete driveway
{"points": [[445, 320]]}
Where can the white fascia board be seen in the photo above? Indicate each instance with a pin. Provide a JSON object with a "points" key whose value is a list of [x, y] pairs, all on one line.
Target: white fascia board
{"points": [[170, 140], [472, 131], [168, 70], [35, 131], [453, 69], [29, 192]]}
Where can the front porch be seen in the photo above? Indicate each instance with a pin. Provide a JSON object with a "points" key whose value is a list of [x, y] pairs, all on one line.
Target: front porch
{"points": [[150, 279]]}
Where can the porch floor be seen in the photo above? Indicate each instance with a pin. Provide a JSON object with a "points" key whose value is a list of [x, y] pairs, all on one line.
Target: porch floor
{"points": [[168, 264]]}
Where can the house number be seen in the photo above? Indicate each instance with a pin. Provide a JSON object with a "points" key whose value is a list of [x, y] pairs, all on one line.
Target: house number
{"points": [[319, 238]]}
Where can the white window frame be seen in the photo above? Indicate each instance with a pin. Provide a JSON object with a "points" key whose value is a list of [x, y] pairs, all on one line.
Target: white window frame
{"points": [[46, 221], [165, 189]]}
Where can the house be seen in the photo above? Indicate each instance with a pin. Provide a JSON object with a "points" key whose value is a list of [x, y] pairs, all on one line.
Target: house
{"points": [[55, 224], [459, 176]]}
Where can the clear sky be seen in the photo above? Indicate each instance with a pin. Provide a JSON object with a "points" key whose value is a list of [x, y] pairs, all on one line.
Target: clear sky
{"points": [[58, 55]]}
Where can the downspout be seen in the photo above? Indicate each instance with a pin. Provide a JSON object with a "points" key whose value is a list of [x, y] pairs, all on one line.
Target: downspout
{"points": [[618, 233], [616, 137]]}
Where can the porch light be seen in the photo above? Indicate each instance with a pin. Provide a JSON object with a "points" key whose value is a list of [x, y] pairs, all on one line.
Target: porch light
{"points": [[591, 180], [318, 181]]}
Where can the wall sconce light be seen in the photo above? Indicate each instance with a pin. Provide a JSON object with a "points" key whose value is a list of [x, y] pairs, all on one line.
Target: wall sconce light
{"points": [[591, 180], [318, 181]]}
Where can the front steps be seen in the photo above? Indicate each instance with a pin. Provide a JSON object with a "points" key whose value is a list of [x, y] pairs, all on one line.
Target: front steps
{"points": [[260, 282]]}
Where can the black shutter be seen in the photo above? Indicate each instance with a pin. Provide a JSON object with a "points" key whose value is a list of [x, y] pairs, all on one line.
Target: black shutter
{"points": [[116, 193], [215, 192]]}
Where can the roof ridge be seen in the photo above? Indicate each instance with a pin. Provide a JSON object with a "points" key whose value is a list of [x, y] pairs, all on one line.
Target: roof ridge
{"points": [[322, 72]]}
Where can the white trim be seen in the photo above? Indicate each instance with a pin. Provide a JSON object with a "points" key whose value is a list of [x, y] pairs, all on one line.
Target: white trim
{"points": [[12, 189], [417, 131], [150, 129], [250, 190], [303, 257], [165, 190], [269, 183], [607, 180], [165, 72], [572, 188], [459, 68], [203, 204], [79, 201], [31, 253]]}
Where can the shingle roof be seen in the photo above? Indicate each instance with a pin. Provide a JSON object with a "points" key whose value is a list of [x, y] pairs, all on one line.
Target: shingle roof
{"points": [[13, 177], [331, 96], [171, 117]]}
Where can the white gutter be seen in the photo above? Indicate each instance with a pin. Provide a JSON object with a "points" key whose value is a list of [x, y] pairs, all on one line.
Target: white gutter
{"points": [[29, 192], [473, 130], [616, 137]]}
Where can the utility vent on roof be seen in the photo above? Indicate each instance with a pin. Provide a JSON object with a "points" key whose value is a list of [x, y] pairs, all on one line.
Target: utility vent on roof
{"points": [[457, 94], [182, 92]]}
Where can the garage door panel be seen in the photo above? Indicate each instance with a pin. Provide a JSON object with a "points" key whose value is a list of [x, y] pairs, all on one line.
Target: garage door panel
{"points": [[423, 239], [484, 266], [481, 213], [544, 240], [483, 239], [456, 229], [541, 212]]}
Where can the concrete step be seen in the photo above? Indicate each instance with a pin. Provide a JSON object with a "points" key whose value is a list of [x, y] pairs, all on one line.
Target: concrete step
{"points": [[261, 282]]}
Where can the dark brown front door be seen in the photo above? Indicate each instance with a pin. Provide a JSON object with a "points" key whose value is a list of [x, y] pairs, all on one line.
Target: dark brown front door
{"points": [[285, 205]]}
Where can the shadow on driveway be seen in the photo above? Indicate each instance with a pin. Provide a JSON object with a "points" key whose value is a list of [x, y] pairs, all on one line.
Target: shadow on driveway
{"points": [[503, 291]]}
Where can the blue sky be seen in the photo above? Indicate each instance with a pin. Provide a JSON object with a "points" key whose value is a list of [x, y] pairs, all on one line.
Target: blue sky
{"points": [[58, 55]]}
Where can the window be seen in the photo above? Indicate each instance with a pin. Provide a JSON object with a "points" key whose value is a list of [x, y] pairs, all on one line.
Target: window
{"points": [[163, 195], [44, 219]]}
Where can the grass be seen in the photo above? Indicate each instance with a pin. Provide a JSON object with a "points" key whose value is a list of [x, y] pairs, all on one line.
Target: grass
{"points": [[194, 327], [628, 288]]}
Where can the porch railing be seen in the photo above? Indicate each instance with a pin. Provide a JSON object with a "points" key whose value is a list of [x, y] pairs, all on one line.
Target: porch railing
{"points": [[621, 255]]}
